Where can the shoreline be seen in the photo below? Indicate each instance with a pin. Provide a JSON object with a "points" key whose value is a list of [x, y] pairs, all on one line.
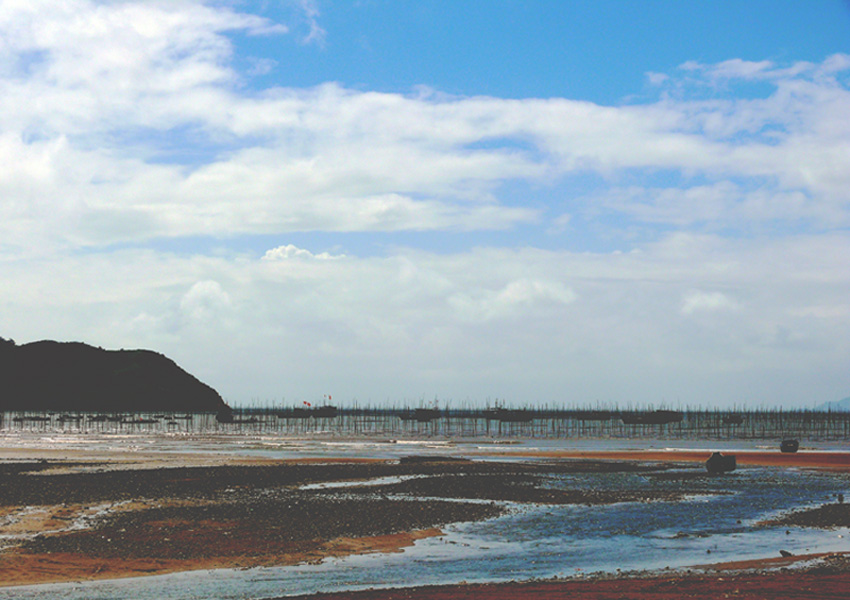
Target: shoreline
{"points": [[114, 458], [26, 567]]}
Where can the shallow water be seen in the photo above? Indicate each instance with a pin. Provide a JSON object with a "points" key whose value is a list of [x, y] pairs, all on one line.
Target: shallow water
{"points": [[538, 541]]}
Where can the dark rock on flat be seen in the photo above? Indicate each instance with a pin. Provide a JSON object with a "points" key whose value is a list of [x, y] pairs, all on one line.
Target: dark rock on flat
{"points": [[719, 463], [789, 446]]}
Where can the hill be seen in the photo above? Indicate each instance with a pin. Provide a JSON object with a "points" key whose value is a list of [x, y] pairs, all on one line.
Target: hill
{"points": [[48, 376]]}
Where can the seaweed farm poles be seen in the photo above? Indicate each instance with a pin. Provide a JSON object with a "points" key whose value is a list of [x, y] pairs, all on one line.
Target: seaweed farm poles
{"points": [[690, 424]]}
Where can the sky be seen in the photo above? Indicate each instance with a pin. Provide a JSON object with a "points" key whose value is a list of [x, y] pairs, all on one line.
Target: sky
{"points": [[549, 203]]}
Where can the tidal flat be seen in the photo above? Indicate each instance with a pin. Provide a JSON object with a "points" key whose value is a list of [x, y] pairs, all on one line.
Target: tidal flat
{"points": [[113, 524]]}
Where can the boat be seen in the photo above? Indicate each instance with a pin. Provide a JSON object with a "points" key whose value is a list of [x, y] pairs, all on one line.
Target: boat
{"points": [[592, 415], [507, 415], [324, 412], [422, 415], [225, 415], [657, 417], [294, 413]]}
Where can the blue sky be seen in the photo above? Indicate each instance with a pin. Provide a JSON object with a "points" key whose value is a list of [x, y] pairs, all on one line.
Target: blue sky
{"points": [[596, 51], [556, 203]]}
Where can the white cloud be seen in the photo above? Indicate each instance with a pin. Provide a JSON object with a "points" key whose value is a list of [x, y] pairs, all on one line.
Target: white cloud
{"points": [[204, 301], [701, 301], [530, 325], [519, 298], [89, 66], [94, 95], [657, 78], [290, 251], [737, 68], [722, 204], [311, 13]]}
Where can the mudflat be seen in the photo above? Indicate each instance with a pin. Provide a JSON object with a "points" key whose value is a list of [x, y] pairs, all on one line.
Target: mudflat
{"points": [[100, 517], [77, 520]]}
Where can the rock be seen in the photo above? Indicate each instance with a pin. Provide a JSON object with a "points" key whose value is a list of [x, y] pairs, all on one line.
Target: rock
{"points": [[718, 463], [789, 446]]}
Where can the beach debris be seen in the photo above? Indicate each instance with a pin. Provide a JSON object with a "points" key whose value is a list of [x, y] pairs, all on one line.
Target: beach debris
{"points": [[789, 446], [719, 463], [785, 553]]}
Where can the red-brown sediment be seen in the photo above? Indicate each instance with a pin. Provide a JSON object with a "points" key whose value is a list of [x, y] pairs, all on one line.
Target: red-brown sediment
{"points": [[18, 567], [818, 460]]}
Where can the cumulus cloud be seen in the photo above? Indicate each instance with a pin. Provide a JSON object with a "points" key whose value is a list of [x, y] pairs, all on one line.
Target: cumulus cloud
{"points": [[204, 301], [290, 251]]}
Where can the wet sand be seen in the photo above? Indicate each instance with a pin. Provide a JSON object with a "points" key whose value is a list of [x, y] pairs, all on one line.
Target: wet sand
{"points": [[154, 514]]}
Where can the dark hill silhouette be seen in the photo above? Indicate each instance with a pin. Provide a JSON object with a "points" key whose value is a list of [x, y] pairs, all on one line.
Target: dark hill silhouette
{"points": [[47, 376]]}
